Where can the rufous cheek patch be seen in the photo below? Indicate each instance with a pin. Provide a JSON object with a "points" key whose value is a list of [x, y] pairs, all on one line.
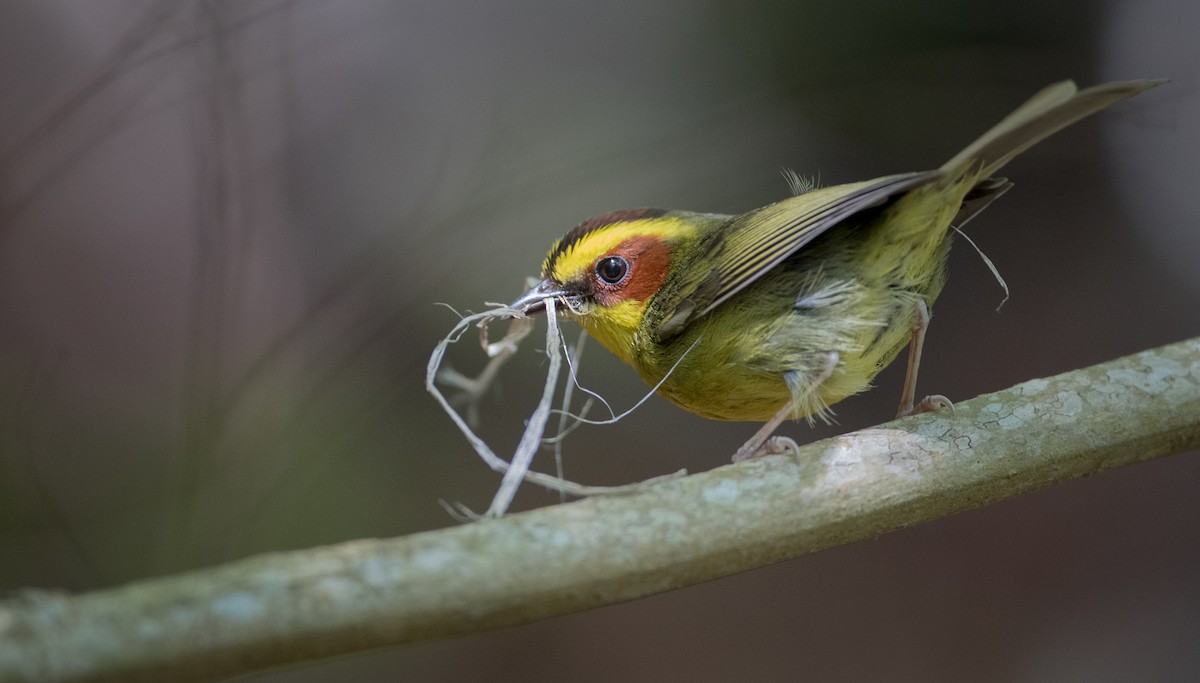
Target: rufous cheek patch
{"points": [[649, 260]]}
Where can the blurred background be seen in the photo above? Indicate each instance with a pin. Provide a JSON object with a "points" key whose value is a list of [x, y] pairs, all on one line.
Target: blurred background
{"points": [[224, 227]]}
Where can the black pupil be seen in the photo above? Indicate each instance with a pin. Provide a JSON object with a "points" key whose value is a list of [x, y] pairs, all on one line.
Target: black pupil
{"points": [[612, 269]]}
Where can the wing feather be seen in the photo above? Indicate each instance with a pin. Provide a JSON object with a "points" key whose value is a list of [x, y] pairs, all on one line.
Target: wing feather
{"points": [[756, 242]]}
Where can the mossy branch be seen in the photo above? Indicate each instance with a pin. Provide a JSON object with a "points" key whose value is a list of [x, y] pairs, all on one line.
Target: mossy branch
{"points": [[290, 607]]}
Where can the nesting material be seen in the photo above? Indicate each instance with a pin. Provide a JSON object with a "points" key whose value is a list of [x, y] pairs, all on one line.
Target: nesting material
{"points": [[471, 390]]}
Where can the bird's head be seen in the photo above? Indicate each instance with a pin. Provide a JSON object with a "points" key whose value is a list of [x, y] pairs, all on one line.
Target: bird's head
{"points": [[605, 271]]}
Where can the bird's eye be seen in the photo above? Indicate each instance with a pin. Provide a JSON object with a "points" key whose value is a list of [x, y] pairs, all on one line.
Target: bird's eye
{"points": [[612, 269]]}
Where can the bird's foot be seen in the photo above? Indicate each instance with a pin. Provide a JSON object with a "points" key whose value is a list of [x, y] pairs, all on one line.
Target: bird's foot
{"points": [[927, 405], [772, 446]]}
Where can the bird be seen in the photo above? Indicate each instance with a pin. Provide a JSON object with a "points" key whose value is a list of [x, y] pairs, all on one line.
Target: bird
{"points": [[783, 311]]}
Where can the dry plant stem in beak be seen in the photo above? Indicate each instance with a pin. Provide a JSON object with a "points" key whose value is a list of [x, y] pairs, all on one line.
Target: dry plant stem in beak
{"points": [[531, 439], [473, 388]]}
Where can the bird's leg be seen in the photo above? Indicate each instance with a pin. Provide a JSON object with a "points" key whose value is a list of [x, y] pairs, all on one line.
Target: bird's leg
{"points": [[762, 443], [929, 403]]}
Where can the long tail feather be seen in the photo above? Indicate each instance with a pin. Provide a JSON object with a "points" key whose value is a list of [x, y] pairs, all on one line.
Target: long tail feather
{"points": [[1046, 113]]}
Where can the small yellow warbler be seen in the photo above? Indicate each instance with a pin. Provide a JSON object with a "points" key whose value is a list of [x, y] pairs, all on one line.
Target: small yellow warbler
{"points": [[787, 309]]}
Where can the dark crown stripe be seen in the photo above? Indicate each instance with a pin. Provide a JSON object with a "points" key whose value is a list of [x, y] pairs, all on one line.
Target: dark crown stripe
{"points": [[592, 225]]}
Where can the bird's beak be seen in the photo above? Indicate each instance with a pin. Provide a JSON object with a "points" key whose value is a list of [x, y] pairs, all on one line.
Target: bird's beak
{"points": [[534, 301]]}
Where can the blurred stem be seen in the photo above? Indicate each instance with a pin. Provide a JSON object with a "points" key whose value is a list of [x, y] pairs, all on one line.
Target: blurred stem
{"points": [[283, 608]]}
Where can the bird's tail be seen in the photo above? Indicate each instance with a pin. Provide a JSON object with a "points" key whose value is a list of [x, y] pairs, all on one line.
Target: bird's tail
{"points": [[1054, 108]]}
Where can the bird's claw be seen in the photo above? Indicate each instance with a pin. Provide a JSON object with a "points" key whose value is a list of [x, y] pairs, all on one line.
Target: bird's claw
{"points": [[928, 404], [772, 446]]}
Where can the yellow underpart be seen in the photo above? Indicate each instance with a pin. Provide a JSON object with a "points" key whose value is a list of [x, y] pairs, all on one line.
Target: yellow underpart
{"points": [[602, 241], [616, 327]]}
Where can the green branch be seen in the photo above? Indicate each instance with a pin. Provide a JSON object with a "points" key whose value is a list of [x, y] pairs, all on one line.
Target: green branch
{"points": [[290, 607]]}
